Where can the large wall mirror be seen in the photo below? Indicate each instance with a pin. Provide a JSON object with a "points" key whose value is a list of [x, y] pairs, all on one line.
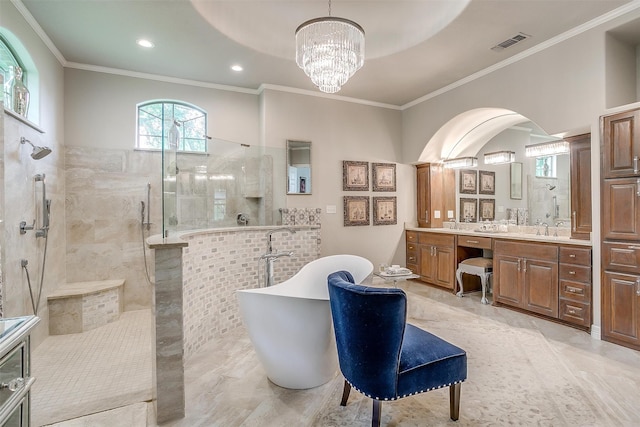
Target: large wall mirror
{"points": [[298, 167]]}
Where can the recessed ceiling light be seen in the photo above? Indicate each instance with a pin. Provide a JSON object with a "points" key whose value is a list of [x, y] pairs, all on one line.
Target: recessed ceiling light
{"points": [[145, 43], [236, 67]]}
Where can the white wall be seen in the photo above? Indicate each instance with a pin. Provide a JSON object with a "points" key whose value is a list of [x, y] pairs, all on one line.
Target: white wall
{"points": [[344, 131]]}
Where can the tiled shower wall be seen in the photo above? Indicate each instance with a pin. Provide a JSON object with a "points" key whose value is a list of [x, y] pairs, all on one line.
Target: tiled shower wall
{"points": [[217, 263], [104, 188]]}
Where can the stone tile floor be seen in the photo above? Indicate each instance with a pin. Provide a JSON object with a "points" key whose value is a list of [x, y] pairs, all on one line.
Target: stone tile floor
{"points": [[522, 371]]}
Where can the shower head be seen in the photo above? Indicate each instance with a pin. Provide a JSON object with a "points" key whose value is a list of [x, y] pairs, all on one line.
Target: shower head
{"points": [[38, 152], [550, 187]]}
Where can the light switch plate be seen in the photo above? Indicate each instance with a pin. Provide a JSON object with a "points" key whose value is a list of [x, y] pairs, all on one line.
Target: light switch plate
{"points": [[436, 214], [331, 209], [450, 214]]}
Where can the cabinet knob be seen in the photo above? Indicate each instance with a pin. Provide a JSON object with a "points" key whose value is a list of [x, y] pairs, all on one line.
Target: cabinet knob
{"points": [[572, 255], [573, 273], [13, 385]]}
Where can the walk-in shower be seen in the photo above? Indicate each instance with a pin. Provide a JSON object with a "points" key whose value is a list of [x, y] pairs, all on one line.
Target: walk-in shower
{"points": [[38, 152]]}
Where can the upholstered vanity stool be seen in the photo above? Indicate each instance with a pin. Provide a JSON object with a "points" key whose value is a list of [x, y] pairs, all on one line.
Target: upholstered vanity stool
{"points": [[482, 267]]}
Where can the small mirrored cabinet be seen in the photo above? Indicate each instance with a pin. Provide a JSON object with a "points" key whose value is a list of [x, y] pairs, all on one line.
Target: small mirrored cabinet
{"points": [[15, 370], [298, 167]]}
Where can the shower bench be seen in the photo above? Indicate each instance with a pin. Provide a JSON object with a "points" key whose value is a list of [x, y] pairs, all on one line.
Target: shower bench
{"points": [[82, 306]]}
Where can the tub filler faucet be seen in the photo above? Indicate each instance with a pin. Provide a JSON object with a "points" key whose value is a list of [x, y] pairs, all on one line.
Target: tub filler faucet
{"points": [[271, 256]]}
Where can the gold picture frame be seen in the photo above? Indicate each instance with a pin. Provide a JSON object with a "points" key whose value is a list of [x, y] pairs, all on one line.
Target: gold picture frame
{"points": [[385, 210], [356, 210], [355, 176], [487, 182], [468, 210], [487, 209], [383, 176], [468, 181]]}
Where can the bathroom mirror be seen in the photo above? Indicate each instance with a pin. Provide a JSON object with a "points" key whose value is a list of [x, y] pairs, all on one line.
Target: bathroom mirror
{"points": [[298, 167], [516, 181]]}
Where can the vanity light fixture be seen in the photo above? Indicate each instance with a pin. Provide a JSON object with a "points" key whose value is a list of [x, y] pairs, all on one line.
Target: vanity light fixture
{"points": [[499, 157], [460, 162], [547, 148]]}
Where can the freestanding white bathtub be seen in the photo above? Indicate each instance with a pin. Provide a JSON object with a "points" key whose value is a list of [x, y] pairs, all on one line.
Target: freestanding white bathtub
{"points": [[290, 325]]}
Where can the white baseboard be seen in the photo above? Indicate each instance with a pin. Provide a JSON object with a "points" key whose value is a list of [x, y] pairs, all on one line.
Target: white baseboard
{"points": [[595, 332]]}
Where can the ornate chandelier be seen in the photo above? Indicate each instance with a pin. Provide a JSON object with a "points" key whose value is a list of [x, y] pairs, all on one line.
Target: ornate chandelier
{"points": [[329, 50]]}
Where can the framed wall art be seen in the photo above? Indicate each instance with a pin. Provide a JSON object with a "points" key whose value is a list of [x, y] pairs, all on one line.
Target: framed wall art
{"points": [[384, 210], [468, 181], [384, 176], [356, 210], [355, 176], [487, 209], [487, 182], [468, 210]]}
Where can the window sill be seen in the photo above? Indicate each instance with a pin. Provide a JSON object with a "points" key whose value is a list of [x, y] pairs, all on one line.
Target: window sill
{"points": [[23, 120]]}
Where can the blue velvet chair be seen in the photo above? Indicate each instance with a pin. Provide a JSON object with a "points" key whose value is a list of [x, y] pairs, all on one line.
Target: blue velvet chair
{"points": [[381, 355]]}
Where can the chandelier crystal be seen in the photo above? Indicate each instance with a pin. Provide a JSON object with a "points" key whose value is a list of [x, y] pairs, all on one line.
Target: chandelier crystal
{"points": [[329, 50]]}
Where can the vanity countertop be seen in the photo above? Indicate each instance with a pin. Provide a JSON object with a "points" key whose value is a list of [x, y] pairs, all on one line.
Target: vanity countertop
{"points": [[564, 239]]}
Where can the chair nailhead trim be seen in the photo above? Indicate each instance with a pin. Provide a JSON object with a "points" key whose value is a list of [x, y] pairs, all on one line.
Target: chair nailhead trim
{"points": [[406, 395]]}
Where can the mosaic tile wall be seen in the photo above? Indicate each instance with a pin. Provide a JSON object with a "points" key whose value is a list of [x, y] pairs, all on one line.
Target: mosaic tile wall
{"points": [[216, 263], [301, 216]]}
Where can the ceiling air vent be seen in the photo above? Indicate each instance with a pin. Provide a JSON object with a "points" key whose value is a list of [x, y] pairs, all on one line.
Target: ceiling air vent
{"points": [[510, 42]]}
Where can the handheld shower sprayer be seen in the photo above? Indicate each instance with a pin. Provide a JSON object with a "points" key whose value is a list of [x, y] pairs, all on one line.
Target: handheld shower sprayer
{"points": [[38, 152]]}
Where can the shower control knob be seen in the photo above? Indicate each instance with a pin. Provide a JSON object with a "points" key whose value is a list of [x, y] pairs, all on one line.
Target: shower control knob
{"points": [[24, 227]]}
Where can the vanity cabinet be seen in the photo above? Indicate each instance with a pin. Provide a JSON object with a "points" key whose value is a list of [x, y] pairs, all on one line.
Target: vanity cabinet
{"points": [[575, 285], [432, 257], [525, 276], [580, 158], [621, 228], [433, 202]]}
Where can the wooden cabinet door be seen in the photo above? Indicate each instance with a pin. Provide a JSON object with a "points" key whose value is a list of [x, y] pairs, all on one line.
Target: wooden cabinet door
{"points": [[620, 308], [620, 214], [445, 266], [540, 286], [427, 265], [621, 145], [580, 186], [423, 186], [507, 287]]}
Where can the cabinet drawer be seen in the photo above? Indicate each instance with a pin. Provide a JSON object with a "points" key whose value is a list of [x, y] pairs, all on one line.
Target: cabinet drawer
{"points": [[576, 291], [411, 246], [436, 239], [12, 368], [474, 242], [412, 236], [579, 256], [575, 272], [575, 312], [412, 257], [621, 256], [526, 250]]}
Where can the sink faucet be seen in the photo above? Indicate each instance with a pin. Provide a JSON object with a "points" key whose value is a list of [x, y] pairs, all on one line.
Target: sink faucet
{"points": [[558, 224], [454, 224], [271, 256], [546, 228]]}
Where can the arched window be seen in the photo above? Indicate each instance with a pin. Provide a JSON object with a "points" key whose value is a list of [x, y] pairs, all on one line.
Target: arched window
{"points": [[8, 61], [157, 118]]}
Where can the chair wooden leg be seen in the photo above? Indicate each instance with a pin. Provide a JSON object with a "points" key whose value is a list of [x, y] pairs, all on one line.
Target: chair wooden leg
{"points": [[345, 393], [375, 417], [454, 401]]}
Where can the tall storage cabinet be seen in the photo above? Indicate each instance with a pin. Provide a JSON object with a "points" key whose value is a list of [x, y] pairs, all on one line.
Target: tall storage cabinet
{"points": [[621, 228], [580, 186], [436, 194]]}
